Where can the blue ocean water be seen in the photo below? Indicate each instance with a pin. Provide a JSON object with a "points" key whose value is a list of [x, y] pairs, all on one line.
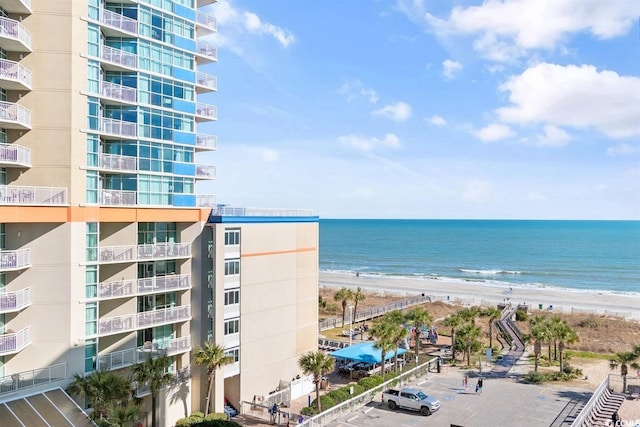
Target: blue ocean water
{"points": [[581, 255]]}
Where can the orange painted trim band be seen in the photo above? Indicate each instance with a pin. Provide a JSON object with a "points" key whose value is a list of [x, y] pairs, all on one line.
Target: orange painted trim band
{"points": [[292, 251]]}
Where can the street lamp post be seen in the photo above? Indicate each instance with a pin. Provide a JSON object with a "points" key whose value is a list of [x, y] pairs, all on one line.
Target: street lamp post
{"points": [[350, 324]]}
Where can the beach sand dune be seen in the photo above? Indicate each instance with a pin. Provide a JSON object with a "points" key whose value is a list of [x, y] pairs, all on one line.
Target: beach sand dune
{"points": [[625, 305]]}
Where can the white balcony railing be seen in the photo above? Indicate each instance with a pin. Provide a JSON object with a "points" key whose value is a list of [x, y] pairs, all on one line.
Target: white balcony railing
{"points": [[207, 21], [205, 171], [14, 116], [146, 319], [116, 162], [20, 195], [121, 22], [15, 301], [207, 111], [35, 377], [205, 200], [206, 142], [14, 154], [119, 57], [129, 253], [16, 72], [11, 343], [131, 287], [117, 197], [206, 51], [118, 127], [119, 92], [130, 356], [14, 30], [206, 81], [268, 212]]}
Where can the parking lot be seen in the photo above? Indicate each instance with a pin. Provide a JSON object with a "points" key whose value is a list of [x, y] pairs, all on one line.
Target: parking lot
{"points": [[503, 402]]}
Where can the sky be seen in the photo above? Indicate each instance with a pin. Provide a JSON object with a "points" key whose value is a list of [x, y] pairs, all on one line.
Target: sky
{"points": [[428, 109]]}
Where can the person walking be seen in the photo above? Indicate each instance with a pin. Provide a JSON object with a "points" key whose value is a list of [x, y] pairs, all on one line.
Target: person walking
{"points": [[479, 386], [465, 381], [273, 411]]}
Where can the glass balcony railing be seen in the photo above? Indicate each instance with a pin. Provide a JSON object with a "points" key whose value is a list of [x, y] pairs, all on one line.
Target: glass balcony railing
{"points": [[206, 142], [121, 22], [14, 75], [206, 82], [268, 212], [115, 162], [117, 197], [20, 195], [205, 172], [119, 57], [15, 301], [14, 37], [132, 253], [206, 22], [13, 342], [205, 200], [118, 92], [132, 287], [144, 320], [130, 356], [14, 116], [15, 155], [207, 52], [118, 127], [206, 111]]}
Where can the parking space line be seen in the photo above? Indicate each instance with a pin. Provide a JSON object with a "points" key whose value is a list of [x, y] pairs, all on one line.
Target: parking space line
{"points": [[367, 410], [422, 382], [352, 418]]}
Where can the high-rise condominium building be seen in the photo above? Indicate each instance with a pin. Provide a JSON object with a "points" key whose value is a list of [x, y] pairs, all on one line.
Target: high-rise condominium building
{"points": [[108, 255]]}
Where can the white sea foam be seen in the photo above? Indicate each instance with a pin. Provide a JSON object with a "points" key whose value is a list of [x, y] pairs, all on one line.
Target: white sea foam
{"points": [[488, 272]]}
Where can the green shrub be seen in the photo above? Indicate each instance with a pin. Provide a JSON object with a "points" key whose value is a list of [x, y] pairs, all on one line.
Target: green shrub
{"points": [[197, 414], [521, 316], [183, 422], [215, 416], [357, 389], [217, 423], [309, 411], [340, 395], [368, 382], [590, 322], [325, 401]]}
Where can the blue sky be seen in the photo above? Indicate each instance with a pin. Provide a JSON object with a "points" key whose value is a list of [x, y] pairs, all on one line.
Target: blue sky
{"points": [[428, 109]]}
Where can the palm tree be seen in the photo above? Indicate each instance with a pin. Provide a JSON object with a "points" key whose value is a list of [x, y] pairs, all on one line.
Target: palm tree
{"points": [[101, 388], [357, 296], [469, 335], [213, 357], [123, 415], [453, 321], [316, 363], [153, 372], [564, 334], [419, 318], [538, 333], [383, 333], [344, 295], [494, 315], [623, 359], [469, 314], [399, 332]]}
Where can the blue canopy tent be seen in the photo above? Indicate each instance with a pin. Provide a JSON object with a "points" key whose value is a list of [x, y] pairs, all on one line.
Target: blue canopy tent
{"points": [[364, 352]]}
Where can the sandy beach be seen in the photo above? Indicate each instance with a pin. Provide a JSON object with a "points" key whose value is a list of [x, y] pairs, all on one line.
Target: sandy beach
{"points": [[481, 293]]}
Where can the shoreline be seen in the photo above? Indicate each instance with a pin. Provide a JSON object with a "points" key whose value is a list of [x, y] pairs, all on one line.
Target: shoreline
{"points": [[562, 300]]}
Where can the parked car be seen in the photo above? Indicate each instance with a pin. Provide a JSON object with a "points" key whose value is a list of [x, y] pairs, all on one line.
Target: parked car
{"points": [[411, 398]]}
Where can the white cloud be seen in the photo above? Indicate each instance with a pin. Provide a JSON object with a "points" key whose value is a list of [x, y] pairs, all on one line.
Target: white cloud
{"points": [[436, 121], [399, 112], [494, 132], [478, 191], [623, 150], [367, 144], [450, 68], [504, 28], [572, 96], [553, 137], [353, 88], [253, 23]]}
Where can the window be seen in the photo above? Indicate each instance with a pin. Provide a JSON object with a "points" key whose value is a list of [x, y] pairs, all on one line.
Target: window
{"points": [[231, 326], [234, 353], [91, 318], [231, 237], [91, 281], [90, 355], [92, 241], [232, 267], [232, 297]]}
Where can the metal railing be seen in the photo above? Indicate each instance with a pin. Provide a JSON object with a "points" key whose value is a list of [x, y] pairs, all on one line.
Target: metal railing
{"points": [[117, 197], [21, 195], [206, 110], [126, 253], [589, 406], [207, 80], [206, 50], [206, 141], [15, 301], [119, 92], [131, 356], [34, 377], [131, 287], [119, 56], [13, 342], [118, 21], [11, 28], [118, 127], [15, 71], [14, 153], [269, 212], [16, 113], [206, 171], [146, 319], [205, 200]]}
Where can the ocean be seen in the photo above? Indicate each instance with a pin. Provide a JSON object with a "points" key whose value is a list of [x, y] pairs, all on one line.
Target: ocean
{"points": [[578, 255]]}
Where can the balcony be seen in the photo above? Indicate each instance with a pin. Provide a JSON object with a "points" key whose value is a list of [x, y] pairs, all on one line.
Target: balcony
{"points": [[14, 116], [132, 287], [14, 76], [115, 162], [268, 212], [205, 200], [144, 320], [117, 25], [205, 23], [206, 112], [15, 301], [32, 378], [205, 172], [206, 52], [15, 260], [14, 155], [118, 128], [117, 197], [118, 94], [117, 59], [19, 195], [206, 142], [130, 356], [21, 7], [133, 253], [206, 82], [11, 343], [14, 37]]}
